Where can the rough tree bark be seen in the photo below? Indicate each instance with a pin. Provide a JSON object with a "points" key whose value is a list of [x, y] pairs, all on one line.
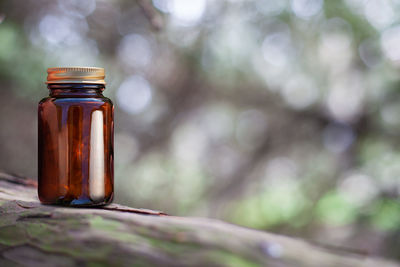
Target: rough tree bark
{"points": [[32, 234]]}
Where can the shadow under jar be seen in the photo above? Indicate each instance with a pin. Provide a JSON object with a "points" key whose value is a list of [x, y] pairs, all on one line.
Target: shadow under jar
{"points": [[76, 139]]}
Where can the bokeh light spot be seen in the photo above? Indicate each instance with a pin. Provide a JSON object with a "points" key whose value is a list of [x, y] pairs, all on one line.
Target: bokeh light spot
{"points": [[380, 13], [62, 30], [77, 8], [306, 8], [345, 98], [300, 92], [358, 188], [277, 48], [135, 51], [270, 8], [390, 42], [134, 94], [187, 13]]}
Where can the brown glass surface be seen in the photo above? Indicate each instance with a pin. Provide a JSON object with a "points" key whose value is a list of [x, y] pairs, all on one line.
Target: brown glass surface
{"points": [[76, 146]]}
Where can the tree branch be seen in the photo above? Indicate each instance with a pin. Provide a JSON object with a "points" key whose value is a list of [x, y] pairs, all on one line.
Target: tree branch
{"points": [[32, 234]]}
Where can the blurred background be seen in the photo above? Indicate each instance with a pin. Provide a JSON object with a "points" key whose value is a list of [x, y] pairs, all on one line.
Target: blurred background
{"points": [[277, 115]]}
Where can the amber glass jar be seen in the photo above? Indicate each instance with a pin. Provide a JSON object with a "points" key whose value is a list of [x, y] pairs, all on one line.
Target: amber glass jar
{"points": [[75, 139]]}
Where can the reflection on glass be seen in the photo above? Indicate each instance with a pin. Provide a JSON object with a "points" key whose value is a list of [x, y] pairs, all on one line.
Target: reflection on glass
{"points": [[96, 165]]}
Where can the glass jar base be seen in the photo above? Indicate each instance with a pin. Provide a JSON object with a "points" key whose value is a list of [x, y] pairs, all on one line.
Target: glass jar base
{"points": [[82, 202]]}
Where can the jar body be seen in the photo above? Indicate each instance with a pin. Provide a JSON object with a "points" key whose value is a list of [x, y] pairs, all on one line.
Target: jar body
{"points": [[75, 146]]}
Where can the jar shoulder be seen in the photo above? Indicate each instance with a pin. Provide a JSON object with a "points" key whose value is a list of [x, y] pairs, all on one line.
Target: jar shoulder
{"points": [[44, 100], [84, 101], [107, 100]]}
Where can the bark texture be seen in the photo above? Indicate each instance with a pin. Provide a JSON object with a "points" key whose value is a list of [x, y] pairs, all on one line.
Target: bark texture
{"points": [[32, 234]]}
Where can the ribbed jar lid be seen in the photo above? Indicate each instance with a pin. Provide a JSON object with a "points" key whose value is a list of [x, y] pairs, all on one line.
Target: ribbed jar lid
{"points": [[91, 75]]}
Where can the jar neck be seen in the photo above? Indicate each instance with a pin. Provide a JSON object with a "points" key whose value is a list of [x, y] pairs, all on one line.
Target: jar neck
{"points": [[76, 90]]}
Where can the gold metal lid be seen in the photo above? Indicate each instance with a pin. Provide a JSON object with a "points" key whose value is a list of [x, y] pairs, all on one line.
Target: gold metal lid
{"points": [[91, 75]]}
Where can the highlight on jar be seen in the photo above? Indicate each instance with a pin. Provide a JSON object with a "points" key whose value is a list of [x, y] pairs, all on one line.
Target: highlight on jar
{"points": [[75, 139]]}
